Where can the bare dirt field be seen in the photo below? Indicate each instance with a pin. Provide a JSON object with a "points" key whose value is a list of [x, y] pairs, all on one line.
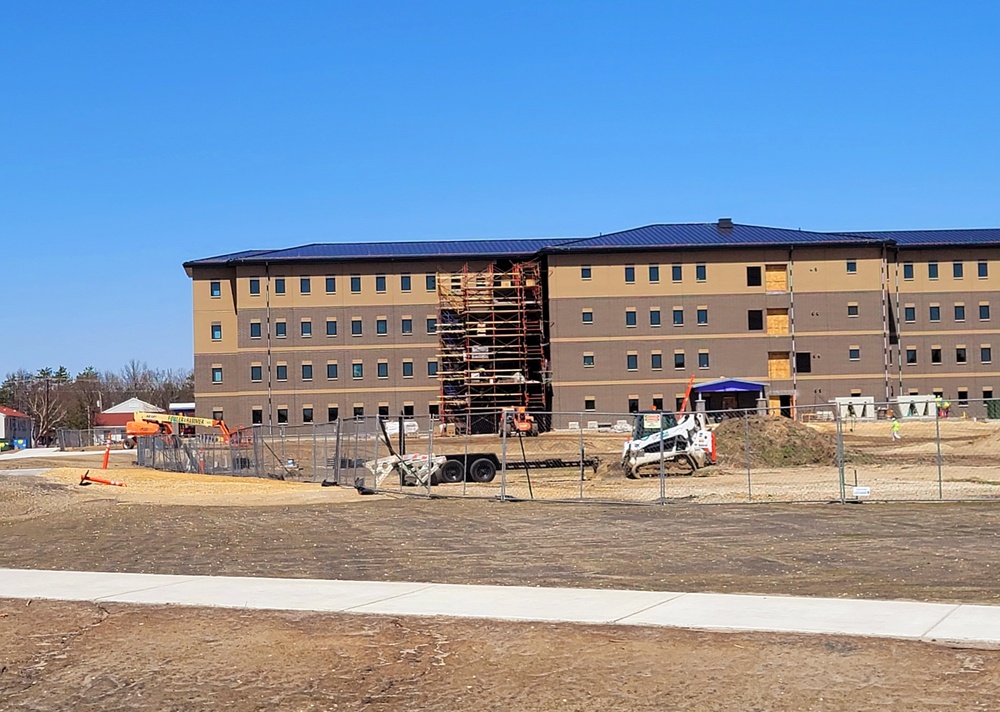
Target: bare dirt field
{"points": [[56, 656]]}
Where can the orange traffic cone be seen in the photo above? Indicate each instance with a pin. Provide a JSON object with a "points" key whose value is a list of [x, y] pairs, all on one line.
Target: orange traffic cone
{"points": [[87, 479], [107, 454]]}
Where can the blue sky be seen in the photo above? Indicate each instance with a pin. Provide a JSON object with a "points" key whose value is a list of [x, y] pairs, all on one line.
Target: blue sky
{"points": [[137, 135]]}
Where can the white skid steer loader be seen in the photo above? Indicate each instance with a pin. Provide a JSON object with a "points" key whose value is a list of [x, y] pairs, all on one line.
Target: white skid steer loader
{"points": [[683, 447]]}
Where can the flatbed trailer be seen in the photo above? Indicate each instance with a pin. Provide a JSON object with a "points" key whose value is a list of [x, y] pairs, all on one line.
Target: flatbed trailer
{"points": [[483, 466]]}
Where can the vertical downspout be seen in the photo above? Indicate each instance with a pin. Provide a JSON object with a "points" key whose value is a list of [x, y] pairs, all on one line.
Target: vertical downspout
{"points": [[791, 324], [899, 328], [884, 275], [267, 319]]}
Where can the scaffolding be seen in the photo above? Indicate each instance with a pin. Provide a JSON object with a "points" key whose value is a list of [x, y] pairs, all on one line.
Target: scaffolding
{"points": [[492, 339]]}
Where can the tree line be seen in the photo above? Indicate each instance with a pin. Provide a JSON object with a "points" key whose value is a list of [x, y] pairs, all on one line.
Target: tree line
{"points": [[56, 399]]}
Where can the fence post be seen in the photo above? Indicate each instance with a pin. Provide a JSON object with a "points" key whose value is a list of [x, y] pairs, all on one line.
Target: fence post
{"points": [[663, 466], [937, 438], [337, 451], [746, 439], [840, 457], [583, 456], [465, 462], [503, 464], [430, 449]]}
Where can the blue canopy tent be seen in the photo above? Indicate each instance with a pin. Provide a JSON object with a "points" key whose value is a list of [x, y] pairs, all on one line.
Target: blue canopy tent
{"points": [[729, 394]]}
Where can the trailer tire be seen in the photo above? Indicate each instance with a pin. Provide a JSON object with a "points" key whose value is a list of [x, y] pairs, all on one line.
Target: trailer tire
{"points": [[482, 470], [452, 471]]}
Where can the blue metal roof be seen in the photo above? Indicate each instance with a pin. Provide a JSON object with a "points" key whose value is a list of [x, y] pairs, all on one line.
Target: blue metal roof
{"points": [[730, 385], [710, 235], [974, 237], [387, 251], [649, 237]]}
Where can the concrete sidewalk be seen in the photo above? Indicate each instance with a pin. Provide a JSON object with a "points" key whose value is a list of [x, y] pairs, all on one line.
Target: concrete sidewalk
{"points": [[707, 611]]}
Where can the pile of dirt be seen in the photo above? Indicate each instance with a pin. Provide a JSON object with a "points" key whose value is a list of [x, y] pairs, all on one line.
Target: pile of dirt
{"points": [[774, 442]]}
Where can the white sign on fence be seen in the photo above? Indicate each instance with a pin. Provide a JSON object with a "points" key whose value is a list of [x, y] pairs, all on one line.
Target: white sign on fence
{"points": [[862, 491]]}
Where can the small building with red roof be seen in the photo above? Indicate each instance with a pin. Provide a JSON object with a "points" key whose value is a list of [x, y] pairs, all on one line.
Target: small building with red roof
{"points": [[15, 428]]}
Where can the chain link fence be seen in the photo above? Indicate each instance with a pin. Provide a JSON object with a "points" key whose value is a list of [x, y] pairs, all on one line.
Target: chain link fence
{"points": [[916, 448]]}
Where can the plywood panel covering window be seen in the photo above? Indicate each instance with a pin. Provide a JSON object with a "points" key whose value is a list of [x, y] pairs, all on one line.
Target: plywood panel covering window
{"points": [[776, 278], [778, 365], [777, 321]]}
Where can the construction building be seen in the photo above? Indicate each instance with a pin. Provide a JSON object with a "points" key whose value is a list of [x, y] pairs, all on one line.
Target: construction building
{"points": [[604, 324]]}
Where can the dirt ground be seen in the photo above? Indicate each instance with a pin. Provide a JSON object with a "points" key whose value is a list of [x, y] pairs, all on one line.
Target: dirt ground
{"points": [[56, 656]]}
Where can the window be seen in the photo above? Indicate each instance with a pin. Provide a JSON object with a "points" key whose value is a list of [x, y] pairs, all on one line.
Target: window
{"points": [[700, 273], [432, 325], [959, 312], [702, 316], [932, 270], [585, 272], [306, 329], [852, 310], [382, 369], [256, 374], [987, 393], [587, 316], [433, 410], [957, 270], [911, 356], [633, 405], [935, 354], [216, 374], [658, 403], [854, 353], [279, 285], [935, 312], [331, 372], [357, 370], [588, 360], [678, 317], [381, 327], [703, 359], [630, 317], [256, 416], [629, 274], [654, 317], [961, 355], [281, 372], [676, 273], [254, 329], [331, 285], [656, 361], [307, 415], [908, 270], [430, 282], [755, 320], [307, 372], [331, 327], [983, 269], [654, 274], [305, 285], [984, 312], [217, 415], [216, 332], [404, 283], [280, 329], [380, 283], [383, 409], [355, 284], [909, 313], [590, 404], [803, 362], [407, 369], [406, 326], [852, 266], [985, 354], [432, 368], [408, 410], [282, 416], [359, 411], [356, 329], [632, 362], [215, 289], [678, 360], [254, 287], [963, 396], [753, 276]]}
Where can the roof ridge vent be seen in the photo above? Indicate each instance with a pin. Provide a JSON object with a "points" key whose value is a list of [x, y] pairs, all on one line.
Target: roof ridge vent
{"points": [[725, 224]]}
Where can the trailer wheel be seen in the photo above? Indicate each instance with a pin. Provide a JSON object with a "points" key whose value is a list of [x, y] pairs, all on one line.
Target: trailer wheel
{"points": [[452, 471], [482, 470]]}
